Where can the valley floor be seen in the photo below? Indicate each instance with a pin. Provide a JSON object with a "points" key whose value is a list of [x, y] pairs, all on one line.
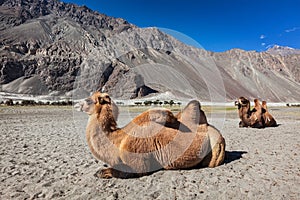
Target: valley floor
{"points": [[43, 154]]}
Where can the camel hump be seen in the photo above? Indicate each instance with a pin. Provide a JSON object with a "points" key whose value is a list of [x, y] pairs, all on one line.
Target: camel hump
{"points": [[257, 103], [158, 115], [161, 116], [264, 105], [257, 107], [192, 113]]}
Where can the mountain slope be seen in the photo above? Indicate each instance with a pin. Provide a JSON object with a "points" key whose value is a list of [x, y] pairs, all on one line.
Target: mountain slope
{"points": [[271, 77], [66, 48]]}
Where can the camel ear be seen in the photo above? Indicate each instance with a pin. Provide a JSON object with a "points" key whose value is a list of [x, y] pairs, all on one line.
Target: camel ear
{"points": [[104, 99]]}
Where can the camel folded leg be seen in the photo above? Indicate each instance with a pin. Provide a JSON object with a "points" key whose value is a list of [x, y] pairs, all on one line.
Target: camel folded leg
{"points": [[217, 154], [119, 171]]}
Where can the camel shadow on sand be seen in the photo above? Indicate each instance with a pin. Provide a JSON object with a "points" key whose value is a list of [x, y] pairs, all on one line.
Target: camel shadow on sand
{"points": [[231, 156]]}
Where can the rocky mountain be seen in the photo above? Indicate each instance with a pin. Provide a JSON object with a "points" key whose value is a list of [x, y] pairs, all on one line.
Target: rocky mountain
{"points": [[51, 47]]}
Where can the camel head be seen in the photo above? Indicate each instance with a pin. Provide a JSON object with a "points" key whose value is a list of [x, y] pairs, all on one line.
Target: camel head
{"points": [[94, 103], [242, 103]]}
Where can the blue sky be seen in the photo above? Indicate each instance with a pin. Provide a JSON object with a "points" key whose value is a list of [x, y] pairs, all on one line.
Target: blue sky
{"points": [[217, 25]]}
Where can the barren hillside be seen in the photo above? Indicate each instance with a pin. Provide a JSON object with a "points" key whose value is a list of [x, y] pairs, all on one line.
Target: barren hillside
{"points": [[50, 47]]}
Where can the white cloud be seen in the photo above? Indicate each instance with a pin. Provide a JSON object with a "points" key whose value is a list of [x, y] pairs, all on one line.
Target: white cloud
{"points": [[292, 29], [263, 44], [262, 37]]}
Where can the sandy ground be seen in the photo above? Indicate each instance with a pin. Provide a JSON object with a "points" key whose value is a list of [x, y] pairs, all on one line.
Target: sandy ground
{"points": [[44, 155]]}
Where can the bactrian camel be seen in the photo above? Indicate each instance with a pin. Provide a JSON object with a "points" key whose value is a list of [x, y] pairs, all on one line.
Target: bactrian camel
{"points": [[155, 139], [258, 117]]}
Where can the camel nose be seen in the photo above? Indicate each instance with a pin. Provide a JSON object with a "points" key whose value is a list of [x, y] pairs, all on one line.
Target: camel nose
{"points": [[236, 103], [78, 106]]}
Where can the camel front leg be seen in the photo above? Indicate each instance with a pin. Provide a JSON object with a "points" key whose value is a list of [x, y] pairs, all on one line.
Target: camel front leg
{"points": [[105, 173], [117, 171]]}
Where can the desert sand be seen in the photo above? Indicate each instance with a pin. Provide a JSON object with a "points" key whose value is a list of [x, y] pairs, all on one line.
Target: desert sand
{"points": [[44, 155]]}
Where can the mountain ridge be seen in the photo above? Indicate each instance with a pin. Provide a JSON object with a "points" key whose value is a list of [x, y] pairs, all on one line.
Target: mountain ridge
{"points": [[71, 48], [282, 50]]}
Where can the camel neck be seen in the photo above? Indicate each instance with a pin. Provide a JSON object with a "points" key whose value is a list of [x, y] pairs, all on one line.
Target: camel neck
{"points": [[245, 115], [245, 112], [106, 119], [99, 140]]}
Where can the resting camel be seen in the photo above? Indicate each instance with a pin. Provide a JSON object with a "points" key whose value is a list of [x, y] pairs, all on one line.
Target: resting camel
{"points": [[258, 117], [249, 118], [154, 140], [268, 118]]}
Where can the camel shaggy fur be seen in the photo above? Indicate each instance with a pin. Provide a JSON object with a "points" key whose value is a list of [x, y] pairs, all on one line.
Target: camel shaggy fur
{"points": [[258, 117], [153, 140]]}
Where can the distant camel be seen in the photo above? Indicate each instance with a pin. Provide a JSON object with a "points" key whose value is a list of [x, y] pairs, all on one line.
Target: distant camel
{"points": [[249, 118], [258, 117], [153, 140], [269, 121]]}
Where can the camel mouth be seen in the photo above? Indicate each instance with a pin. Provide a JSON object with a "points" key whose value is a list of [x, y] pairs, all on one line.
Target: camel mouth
{"points": [[236, 103], [78, 106]]}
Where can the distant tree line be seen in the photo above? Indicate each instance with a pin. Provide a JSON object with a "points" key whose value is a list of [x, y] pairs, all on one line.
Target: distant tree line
{"points": [[293, 105], [10, 102], [157, 102]]}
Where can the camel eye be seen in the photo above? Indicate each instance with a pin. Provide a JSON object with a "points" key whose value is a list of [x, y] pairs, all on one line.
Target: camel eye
{"points": [[104, 100], [244, 102], [89, 101]]}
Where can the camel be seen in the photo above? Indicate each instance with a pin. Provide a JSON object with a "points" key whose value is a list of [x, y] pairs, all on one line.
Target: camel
{"points": [[258, 117], [269, 121], [156, 139], [249, 118]]}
